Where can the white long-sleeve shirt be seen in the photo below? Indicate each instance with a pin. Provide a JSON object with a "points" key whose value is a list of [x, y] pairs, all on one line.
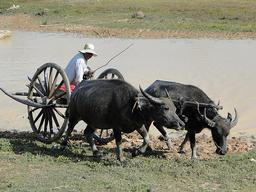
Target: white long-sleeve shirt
{"points": [[76, 68]]}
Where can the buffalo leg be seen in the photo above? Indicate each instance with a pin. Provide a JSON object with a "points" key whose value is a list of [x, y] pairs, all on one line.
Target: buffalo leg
{"points": [[181, 147], [144, 133], [71, 125], [164, 134], [192, 139], [147, 125], [119, 151], [88, 133]]}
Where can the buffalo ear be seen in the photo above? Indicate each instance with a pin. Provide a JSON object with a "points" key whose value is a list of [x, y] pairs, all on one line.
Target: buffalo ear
{"points": [[141, 102], [229, 117]]}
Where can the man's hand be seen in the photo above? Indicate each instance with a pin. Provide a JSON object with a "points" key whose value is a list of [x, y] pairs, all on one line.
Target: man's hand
{"points": [[89, 74]]}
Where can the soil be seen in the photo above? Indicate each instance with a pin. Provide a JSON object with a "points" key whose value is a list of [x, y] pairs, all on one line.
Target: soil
{"points": [[205, 146], [130, 142]]}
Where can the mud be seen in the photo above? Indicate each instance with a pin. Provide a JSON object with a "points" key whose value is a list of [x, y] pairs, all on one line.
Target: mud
{"points": [[130, 142], [205, 146]]}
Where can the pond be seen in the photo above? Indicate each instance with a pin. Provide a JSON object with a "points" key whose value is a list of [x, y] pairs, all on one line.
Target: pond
{"points": [[224, 69]]}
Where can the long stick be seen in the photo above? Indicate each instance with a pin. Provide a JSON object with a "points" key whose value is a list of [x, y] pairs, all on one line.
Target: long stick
{"points": [[113, 57]]}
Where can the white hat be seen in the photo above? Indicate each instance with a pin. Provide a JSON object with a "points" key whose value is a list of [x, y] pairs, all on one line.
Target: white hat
{"points": [[88, 48]]}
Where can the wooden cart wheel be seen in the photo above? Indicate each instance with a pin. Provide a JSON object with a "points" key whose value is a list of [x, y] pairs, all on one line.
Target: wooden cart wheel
{"points": [[49, 123], [104, 136], [111, 73]]}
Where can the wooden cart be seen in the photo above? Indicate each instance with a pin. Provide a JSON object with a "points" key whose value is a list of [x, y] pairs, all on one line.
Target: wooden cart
{"points": [[47, 105]]}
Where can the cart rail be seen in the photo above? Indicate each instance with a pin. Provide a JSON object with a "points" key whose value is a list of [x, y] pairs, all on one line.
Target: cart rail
{"points": [[24, 101]]}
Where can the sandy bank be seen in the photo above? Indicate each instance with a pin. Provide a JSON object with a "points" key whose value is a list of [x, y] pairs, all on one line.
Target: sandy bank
{"points": [[26, 23]]}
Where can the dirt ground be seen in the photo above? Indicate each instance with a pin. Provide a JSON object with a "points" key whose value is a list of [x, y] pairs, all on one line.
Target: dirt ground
{"points": [[130, 142], [205, 146], [26, 23]]}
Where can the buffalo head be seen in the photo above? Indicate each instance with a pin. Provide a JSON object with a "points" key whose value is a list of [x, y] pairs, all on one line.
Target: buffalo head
{"points": [[160, 110], [220, 128]]}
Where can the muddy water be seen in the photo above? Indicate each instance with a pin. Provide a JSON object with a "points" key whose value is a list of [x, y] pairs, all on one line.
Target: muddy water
{"points": [[224, 69]]}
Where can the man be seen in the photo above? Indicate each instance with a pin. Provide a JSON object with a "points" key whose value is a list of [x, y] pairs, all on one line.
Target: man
{"points": [[77, 66]]}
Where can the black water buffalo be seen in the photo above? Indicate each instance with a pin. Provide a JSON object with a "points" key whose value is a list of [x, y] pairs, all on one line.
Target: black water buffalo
{"points": [[198, 116], [115, 104]]}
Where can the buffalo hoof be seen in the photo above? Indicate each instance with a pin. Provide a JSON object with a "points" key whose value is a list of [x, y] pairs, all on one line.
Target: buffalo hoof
{"points": [[168, 144], [194, 158], [166, 140], [136, 153], [121, 159], [139, 151], [149, 149], [56, 146], [220, 152], [59, 147], [181, 151], [162, 138], [97, 154]]}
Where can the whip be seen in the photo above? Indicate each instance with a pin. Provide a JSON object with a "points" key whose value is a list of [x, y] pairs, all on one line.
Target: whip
{"points": [[113, 58]]}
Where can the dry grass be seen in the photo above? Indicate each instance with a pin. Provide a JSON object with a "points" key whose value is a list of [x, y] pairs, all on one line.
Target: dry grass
{"points": [[231, 19]]}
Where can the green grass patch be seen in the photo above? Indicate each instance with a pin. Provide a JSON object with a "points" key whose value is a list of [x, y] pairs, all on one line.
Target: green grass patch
{"points": [[181, 15], [28, 165]]}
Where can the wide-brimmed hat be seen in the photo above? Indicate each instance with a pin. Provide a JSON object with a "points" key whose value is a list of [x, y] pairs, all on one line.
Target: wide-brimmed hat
{"points": [[89, 48]]}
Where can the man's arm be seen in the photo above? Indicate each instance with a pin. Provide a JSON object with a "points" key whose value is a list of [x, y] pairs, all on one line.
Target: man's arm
{"points": [[80, 70]]}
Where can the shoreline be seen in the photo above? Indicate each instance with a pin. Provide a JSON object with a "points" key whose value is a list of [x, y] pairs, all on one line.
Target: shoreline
{"points": [[26, 23]]}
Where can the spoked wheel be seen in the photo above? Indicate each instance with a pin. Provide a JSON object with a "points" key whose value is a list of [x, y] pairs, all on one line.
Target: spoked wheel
{"points": [[111, 74], [104, 136], [49, 122]]}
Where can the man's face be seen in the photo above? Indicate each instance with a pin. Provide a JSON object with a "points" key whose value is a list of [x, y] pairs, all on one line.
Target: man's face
{"points": [[88, 55]]}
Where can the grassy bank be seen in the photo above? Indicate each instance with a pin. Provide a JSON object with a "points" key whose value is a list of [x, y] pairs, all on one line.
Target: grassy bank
{"points": [[27, 165], [185, 16]]}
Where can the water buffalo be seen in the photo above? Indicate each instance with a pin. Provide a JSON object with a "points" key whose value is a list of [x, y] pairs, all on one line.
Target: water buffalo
{"points": [[198, 116], [115, 104]]}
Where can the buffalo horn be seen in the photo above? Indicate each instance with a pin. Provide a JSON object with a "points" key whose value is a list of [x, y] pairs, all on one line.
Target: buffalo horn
{"points": [[151, 98], [218, 106], [235, 120]]}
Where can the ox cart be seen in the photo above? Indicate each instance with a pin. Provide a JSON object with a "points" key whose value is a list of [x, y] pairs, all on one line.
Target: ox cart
{"points": [[48, 98]]}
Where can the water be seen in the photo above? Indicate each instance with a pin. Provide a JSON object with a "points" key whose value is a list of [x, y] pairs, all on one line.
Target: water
{"points": [[224, 69]]}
